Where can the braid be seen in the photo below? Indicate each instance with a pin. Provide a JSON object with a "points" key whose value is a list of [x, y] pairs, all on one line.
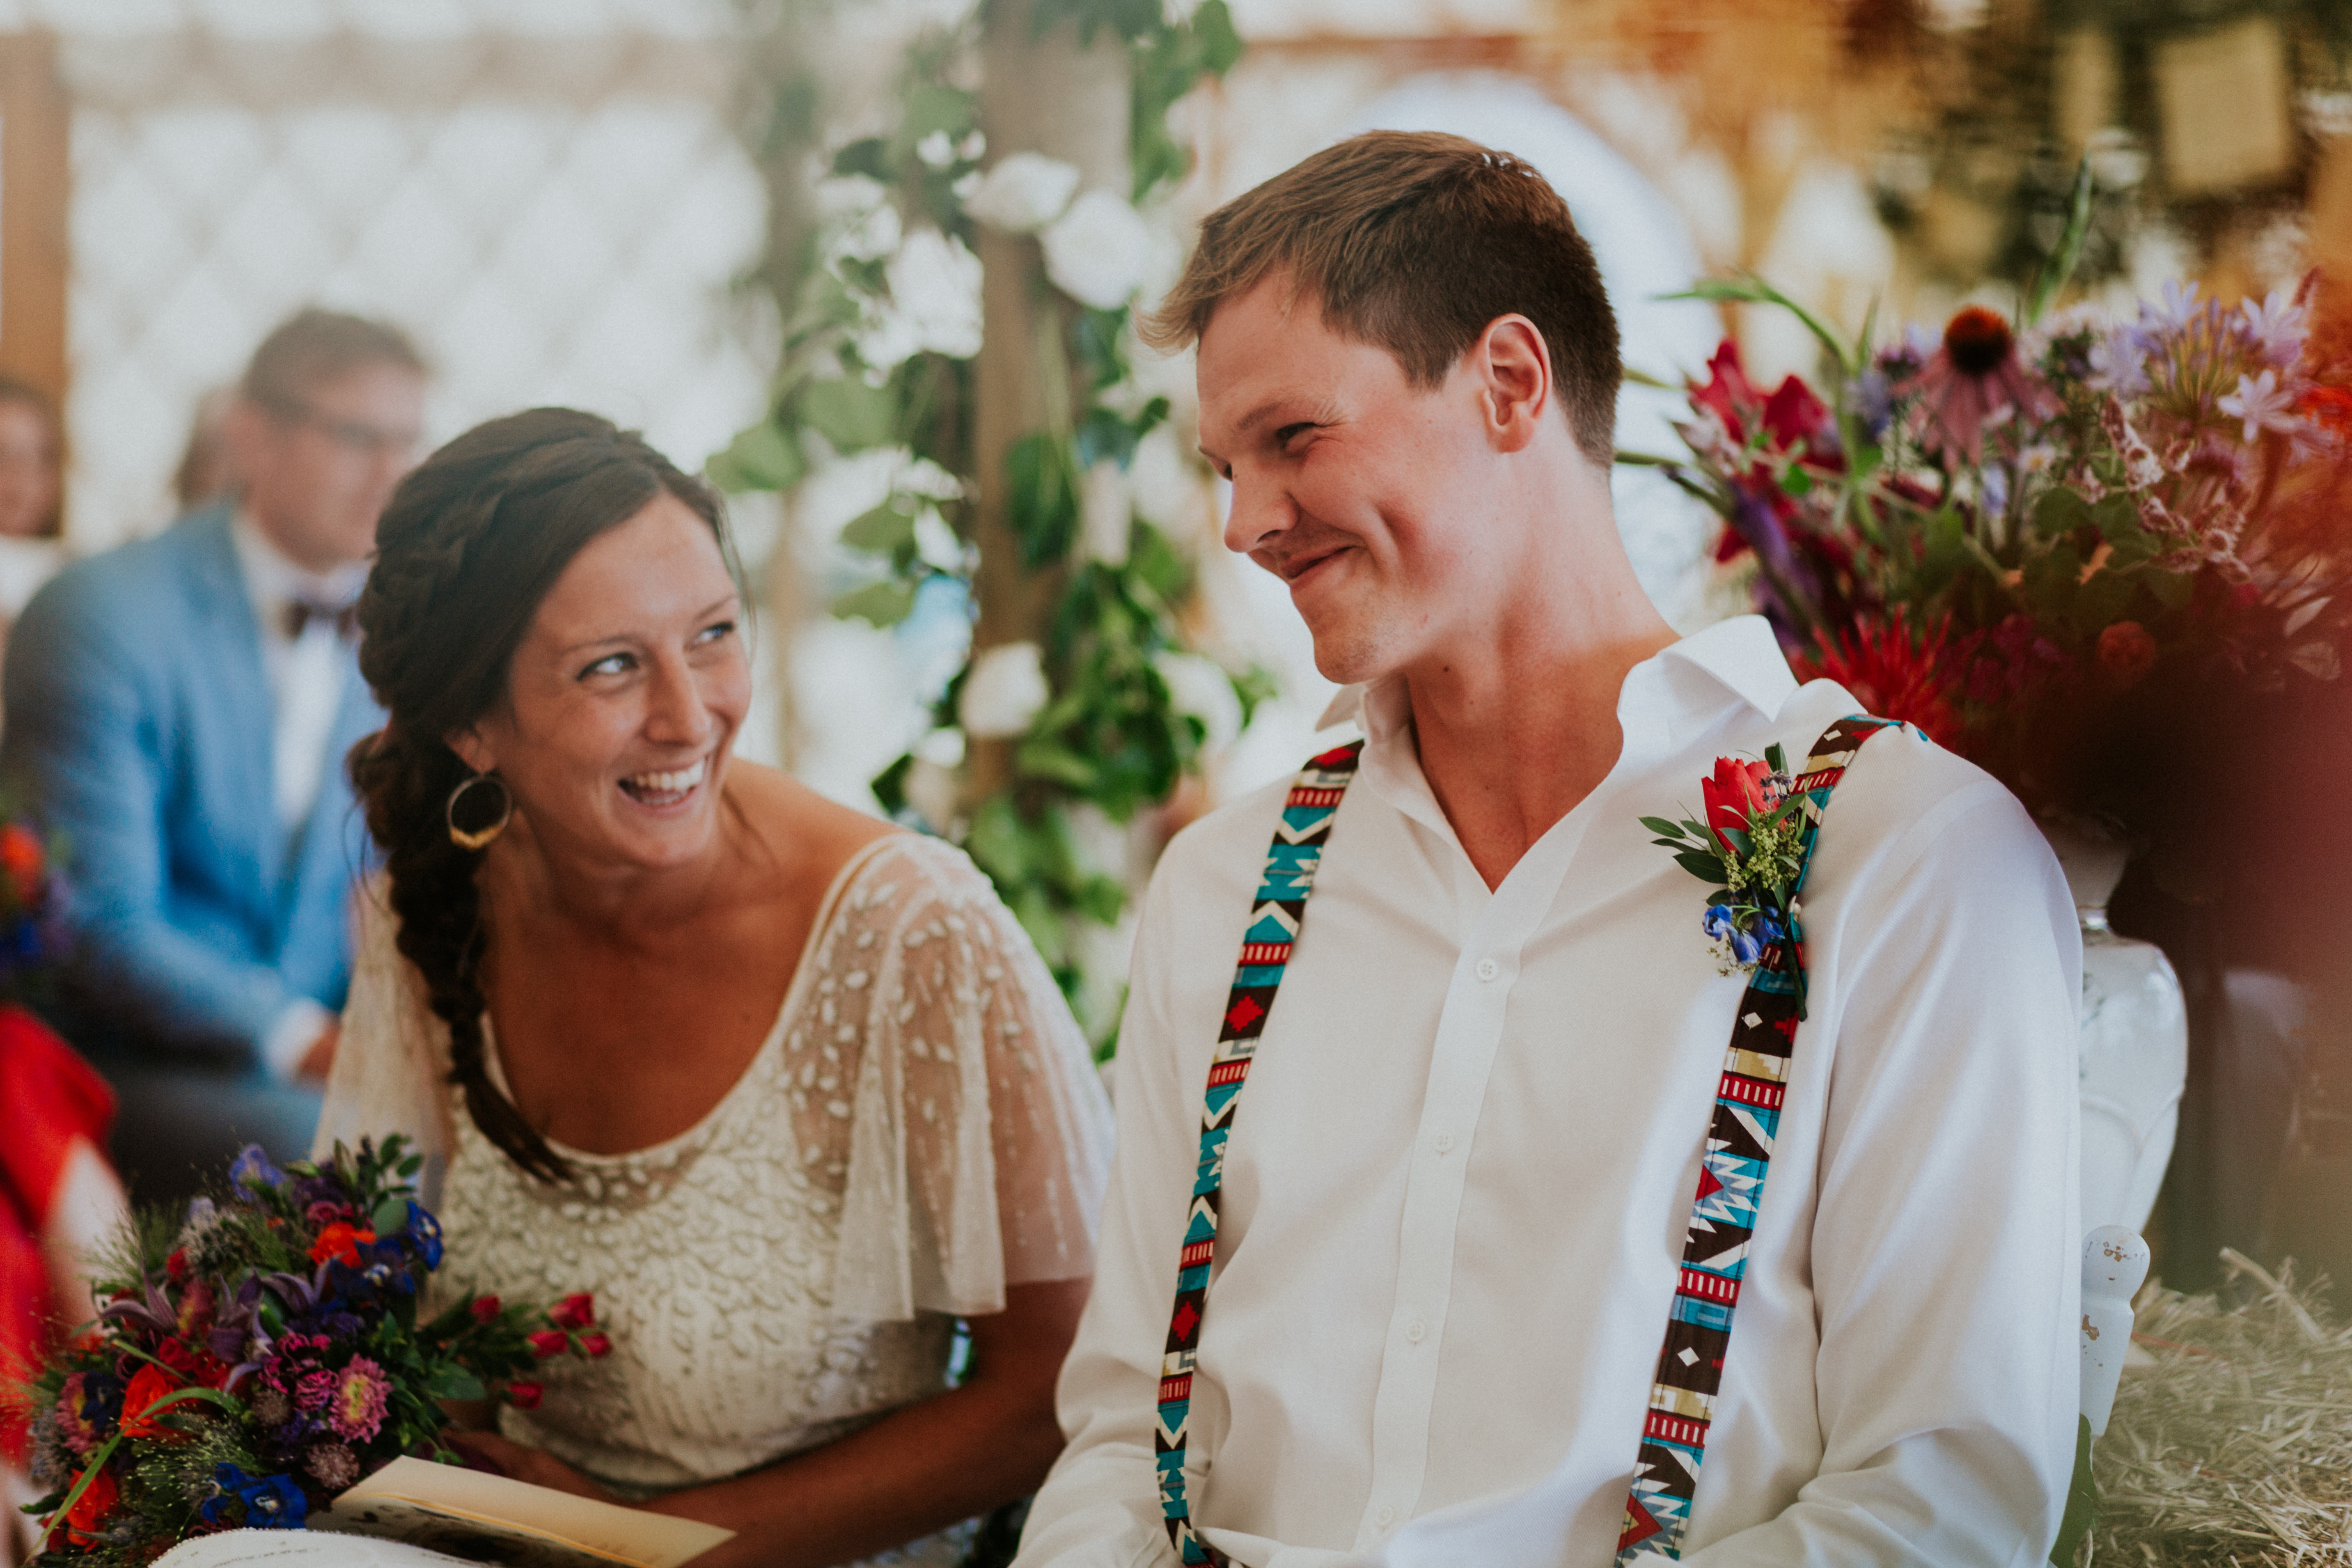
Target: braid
{"points": [[472, 542]]}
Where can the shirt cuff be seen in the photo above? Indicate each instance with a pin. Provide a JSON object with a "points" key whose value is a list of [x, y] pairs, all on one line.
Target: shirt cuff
{"points": [[291, 1036]]}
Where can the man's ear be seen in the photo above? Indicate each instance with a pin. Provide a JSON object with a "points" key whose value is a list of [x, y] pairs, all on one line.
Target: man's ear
{"points": [[1512, 360]]}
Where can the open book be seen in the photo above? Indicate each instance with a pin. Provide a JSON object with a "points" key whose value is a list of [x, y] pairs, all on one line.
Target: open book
{"points": [[484, 1518]]}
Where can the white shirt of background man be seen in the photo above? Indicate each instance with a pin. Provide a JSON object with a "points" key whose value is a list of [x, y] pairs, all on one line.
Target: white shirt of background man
{"points": [[307, 675], [1457, 1185]]}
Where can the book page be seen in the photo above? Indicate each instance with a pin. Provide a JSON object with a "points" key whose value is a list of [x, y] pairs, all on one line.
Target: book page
{"points": [[484, 1518]]}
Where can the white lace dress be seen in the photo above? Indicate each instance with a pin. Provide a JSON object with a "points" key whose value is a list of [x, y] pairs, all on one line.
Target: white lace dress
{"points": [[921, 1128]]}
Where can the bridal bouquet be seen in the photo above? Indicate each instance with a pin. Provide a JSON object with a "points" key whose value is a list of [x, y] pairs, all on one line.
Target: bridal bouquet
{"points": [[265, 1353], [2042, 543]]}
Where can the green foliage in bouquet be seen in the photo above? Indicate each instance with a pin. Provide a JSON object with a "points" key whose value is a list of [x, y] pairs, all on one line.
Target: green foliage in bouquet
{"points": [[261, 1354]]}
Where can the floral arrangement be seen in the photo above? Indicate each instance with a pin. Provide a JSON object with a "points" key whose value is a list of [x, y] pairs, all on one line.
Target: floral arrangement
{"points": [[2030, 541], [1750, 849], [31, 908], [262, 1355], [1068, 720]]}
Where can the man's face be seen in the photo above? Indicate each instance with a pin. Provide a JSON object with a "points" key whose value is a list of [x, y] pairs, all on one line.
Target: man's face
{"points": [[1371, 497], [317, 475]]}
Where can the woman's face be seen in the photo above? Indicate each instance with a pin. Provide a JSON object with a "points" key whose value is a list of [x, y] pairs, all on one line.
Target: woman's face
{"points": [[28, 470], [625, 697]]}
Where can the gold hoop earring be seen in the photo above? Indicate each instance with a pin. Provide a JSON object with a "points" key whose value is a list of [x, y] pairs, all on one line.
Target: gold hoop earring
{"points": [[481, 839]]}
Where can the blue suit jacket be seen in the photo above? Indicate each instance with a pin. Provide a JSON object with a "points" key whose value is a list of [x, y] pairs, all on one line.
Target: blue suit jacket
{"points": [[140, 726]]}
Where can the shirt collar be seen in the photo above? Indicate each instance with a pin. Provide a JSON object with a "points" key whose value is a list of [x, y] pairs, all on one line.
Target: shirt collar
{"points": [[1740, 654], [273, 580]]}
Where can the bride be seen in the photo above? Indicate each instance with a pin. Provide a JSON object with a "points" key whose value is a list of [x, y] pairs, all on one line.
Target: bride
{"points": [[785, 1087]]}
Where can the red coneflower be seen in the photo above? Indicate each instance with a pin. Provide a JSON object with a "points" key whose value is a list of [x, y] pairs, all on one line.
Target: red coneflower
{"points": [[1892, 671], [1972, 379]]}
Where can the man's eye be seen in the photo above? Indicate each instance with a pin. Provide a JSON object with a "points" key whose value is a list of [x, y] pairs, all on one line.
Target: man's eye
{"points": [[1288, 433]]}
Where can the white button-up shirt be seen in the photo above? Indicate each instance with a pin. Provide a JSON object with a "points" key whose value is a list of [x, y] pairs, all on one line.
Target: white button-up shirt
{"points": [[1457, 1186]]}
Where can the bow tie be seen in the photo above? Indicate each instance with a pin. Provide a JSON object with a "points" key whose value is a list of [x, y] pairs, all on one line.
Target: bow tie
{"points": [[300, 613]]}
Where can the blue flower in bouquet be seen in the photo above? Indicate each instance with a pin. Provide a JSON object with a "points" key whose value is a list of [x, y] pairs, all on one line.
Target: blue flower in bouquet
{"points": [[425, 1234], [269, 1502], [253, 1170]]}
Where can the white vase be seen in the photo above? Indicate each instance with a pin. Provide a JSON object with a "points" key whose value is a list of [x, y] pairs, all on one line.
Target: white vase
{"points": [[2134, 1046]]}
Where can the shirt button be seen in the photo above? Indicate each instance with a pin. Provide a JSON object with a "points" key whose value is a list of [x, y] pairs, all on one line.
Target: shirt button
{"points": [[1489, 969], [1416, 1330], [1442, 1142], [1385, 1517]]}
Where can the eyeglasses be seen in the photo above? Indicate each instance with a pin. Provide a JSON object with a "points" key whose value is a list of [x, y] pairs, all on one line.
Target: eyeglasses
{"points": [[355, 436]]}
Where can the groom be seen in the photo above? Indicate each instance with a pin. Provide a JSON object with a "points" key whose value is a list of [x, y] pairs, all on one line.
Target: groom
{"points": [[1447, 1221]]}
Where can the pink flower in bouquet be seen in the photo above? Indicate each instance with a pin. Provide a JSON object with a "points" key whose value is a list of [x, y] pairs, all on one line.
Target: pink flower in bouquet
{"points": [[2127, 653], [1736, 794], [524, 1395], [314, 1390], [548, 1342], [484, 1308], [1972, 379], [361, 1394], [577, 1310], [596, 1346]]}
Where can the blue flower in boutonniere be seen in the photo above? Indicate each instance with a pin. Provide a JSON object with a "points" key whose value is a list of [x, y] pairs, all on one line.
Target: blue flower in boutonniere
{"points": [[1751, 850]]}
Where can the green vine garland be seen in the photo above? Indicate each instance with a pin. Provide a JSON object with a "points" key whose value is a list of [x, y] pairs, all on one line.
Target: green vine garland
{"points": [[1109, 735]]}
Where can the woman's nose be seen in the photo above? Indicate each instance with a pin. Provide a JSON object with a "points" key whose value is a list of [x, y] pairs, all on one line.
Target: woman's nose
{"points": [[678, 713]]}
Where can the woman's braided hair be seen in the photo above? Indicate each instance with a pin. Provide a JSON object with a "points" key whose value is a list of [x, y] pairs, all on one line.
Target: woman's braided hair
{"points": [[471, 543]]}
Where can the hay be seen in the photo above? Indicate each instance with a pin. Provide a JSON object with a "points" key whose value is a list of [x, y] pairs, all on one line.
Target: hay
{"points": [[2232, 1444]]}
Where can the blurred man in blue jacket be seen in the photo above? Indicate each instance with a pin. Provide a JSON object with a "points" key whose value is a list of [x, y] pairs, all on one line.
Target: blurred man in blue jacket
{"points": [[179, 710]]}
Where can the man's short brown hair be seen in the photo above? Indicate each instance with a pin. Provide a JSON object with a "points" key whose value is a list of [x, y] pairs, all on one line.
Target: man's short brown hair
{"points": [[1415, 241], [314, 345]]}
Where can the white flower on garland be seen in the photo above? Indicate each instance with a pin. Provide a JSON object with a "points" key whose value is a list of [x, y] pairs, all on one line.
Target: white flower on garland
{"points": [[1099, 252], [936, 544], [934, 303], [1105, 513], [1004, 690], [1023, 192], [1199, 687]]}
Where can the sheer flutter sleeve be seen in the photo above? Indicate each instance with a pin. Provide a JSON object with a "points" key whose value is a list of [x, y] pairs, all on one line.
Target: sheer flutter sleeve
{"points": [[393, 1060], [937, 1069]]}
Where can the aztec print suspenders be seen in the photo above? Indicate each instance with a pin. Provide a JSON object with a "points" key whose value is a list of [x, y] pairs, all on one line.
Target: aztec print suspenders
{"points": [[1275, 914], [1731, 1176], [1737, 1157]]}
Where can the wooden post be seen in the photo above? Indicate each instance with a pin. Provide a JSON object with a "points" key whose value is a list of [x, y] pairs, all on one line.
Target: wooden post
{"points": [[1051, 95], [35, 184]]}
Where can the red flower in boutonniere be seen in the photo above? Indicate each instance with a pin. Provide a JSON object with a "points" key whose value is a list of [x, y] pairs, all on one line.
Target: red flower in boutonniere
{"points": [[1748, 848]]}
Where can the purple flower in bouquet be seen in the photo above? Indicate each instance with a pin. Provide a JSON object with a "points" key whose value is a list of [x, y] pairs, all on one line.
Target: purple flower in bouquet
{"points": [[253, 1170], [88, 1407], [1974, 379], [2263, 404], [314, 1390], [2278, 326], [361, 1394], [2119, 363], [423, 1233]]}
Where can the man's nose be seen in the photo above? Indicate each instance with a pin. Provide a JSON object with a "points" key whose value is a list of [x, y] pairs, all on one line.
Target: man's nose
{"points": [[1261, 508]]}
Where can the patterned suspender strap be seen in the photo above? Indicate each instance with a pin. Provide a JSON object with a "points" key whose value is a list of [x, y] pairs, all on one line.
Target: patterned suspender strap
{"points": [[1274, 915], [1731, 1187]]}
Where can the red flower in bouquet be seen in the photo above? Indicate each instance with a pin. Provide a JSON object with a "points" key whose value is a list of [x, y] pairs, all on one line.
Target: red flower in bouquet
{"points": [[1894, 673], [341, 1242], [22, 859], [147, 1387], [484, 1308], [524, 1395], [596, 1346], [548, 1342], [1738, 792], [577, 1310], [93, 1509], [1973, 378]]}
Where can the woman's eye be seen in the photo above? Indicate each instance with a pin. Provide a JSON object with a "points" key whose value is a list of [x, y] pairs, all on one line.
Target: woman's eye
{"points": [[610, 663], [714, 632]]}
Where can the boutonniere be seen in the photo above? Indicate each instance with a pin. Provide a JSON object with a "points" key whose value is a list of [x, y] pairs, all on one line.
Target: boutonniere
{"points": [[1750, 851]]}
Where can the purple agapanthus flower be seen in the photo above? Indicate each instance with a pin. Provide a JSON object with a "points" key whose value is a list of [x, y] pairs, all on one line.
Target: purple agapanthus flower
{"points": [[2276, 328], [253, 1170]]}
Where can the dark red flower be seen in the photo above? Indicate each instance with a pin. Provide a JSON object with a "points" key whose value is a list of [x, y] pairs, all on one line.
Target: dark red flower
{"points": [[574, 1311], [1894, 673], [597, 1346], [524, 1395], [549, 1341], [484, 1308]]}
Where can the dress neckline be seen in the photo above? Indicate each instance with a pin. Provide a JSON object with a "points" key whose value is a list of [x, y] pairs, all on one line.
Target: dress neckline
{"points": [[827, 907]]}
